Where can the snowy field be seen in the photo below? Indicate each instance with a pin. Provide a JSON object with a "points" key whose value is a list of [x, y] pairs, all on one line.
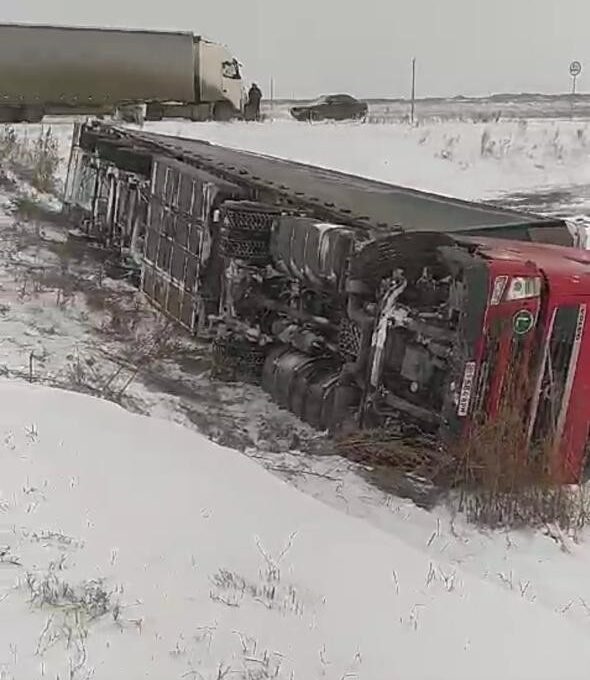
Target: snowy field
{"points": [[468, 160], [466, 109], [133, 548], [472, 160], [372, 587]]}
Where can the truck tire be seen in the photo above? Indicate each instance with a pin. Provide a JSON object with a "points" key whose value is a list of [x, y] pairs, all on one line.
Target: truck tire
{"points": [[130, 113], [246, 229], [154, 112], [235, 358], [223, 112], [11, 114], [33, 114]]}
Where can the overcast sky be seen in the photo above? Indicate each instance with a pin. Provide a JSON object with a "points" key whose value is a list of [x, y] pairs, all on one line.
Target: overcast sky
{"points": [[364, 47]]}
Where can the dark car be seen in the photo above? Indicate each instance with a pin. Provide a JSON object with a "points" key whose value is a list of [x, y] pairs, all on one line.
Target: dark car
{"points": [[331, 107]]}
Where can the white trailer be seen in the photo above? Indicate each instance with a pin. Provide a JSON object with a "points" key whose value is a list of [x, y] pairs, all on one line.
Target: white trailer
{"points": [[58, 70]]}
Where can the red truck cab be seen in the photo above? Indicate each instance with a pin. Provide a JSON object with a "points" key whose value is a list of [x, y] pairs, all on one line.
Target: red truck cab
{"points": [[536, 327], [468, 328]]}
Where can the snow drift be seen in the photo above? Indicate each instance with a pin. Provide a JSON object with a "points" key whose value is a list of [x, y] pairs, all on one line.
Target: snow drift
{"points": [[132, 547]]}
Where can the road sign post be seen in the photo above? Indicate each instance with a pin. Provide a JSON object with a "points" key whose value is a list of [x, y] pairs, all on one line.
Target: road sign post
{"points": [[575, 70], [413, 104]]}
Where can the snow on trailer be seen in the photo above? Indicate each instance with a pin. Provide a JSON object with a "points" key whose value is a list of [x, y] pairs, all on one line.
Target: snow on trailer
{"points": [[355, 303]]}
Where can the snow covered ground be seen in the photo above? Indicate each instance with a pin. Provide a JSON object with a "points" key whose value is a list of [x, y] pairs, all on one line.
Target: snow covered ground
{"points": [[496, 107], [60, 314], [480, 161], [468, 160], [133, 548], [66, 323]]}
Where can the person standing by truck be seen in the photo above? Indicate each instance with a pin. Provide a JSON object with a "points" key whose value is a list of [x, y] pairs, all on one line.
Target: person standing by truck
{"points": [[253, 105]]}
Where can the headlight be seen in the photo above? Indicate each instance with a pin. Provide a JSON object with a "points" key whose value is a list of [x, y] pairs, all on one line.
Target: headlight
{"points": [[523, 287]]}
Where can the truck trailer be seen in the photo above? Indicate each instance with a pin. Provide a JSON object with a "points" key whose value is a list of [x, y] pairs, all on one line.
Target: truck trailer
{"points": [[357, 305], [58, 70]]}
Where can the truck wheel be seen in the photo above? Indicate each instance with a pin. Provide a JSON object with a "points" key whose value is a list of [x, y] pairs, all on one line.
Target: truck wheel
{"points": [[32, 114], [154, 112], [246, 229], [130, 114], [223, 112], [11, 114], [235, 358]]}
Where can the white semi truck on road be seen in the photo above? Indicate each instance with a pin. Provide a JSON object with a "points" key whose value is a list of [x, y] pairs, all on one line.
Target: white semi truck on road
{"points": [[58, 70]]}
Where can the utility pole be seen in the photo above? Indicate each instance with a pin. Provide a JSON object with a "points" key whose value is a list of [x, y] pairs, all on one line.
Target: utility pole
{"points": [[272, 93], [413, 105]]}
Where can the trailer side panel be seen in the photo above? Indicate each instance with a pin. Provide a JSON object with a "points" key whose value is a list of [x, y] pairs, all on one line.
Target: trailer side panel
{"points": [[42, 65]]}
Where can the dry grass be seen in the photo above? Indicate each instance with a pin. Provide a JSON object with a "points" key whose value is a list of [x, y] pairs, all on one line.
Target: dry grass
{"points": [[419, 456], [505, 480], [230, 588], [28, 209], [44, 161], [35, 159], [494, 476], [71, 610], [108, 373]]}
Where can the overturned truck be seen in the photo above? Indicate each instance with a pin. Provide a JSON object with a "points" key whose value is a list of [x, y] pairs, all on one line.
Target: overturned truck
{"points": [[354, 303]]}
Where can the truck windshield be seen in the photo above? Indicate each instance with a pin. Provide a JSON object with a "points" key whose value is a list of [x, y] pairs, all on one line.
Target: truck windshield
{"points": [[231, 69], [556, 378]]}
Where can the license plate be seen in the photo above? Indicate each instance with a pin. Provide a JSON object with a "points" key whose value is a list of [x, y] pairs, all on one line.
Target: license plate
{"points": [[466, 389]]}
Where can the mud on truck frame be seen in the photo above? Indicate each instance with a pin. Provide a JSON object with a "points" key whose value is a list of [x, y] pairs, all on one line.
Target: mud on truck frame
{"points": [[355, 304]]}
